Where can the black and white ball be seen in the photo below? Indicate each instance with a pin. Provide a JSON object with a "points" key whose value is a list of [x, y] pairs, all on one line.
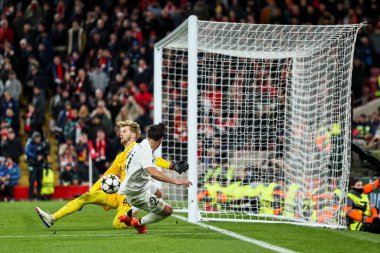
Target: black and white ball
{"points": [[110, 184]]}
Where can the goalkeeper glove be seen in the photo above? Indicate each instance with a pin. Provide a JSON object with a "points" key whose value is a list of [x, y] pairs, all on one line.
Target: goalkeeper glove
{"points": [[180, 167]]}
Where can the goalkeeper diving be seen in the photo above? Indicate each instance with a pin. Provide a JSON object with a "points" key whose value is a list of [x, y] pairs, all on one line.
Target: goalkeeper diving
{"points": [[129, 134]]}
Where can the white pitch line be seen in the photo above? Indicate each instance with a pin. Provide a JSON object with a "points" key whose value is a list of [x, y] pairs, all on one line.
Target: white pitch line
{"points": [[240, 237], [58, 234]]}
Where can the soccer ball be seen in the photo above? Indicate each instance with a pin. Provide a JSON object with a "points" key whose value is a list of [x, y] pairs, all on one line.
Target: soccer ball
{"points": [[110, 184]]}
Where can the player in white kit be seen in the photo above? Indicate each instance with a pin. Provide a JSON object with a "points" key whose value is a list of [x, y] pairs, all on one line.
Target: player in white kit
{"points": [[140, 167]]}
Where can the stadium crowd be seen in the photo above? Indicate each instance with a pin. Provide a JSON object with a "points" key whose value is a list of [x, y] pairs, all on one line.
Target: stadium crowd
{"points": [[75, 67]]}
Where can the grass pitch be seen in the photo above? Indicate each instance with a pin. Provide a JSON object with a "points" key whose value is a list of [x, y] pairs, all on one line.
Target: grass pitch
{"points": [[91, 231]]}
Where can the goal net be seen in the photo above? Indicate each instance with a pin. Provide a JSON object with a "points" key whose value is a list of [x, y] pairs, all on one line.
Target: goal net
{"points": [[263, 114]]}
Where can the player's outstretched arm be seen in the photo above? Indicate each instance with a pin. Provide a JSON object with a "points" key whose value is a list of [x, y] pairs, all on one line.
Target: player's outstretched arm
{"points": [[158, 175]]}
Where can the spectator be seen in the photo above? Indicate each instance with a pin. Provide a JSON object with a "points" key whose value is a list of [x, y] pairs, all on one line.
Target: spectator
{"points": [[30, 124], [67, 154], [3, 140], [364, 52], [200, 10], [39, 105], [76, 38], [270, 13], [64, 116], [84, 114], [113, 44], [142, 72], [116, 85], [6, 69], [4, 179], [359, 75], [36, 151], [60, 9], [47, 15], [71, 126], [144, 98], [35, 78], [6, 33], [59, 38], [114, 106], [103, 59], [8, 103], [104, 116], [18, 24], [83, 151], [82, 84], [57, 102], [166, 23], [13, 86], [101, 31], [14, 175], [99, 79], [131, 110], [23, 55], [101, 147], [361, 214], [12, 120], [101, 109], [30, 35], [44, 47], [57, 72], [99, 95], [33, 14], [375, 44], [13, 147], [78, 12], [11, 57], [68, 176], [90, 21], [75, 63]]}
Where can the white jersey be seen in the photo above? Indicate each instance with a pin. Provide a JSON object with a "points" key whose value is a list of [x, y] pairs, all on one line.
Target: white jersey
{"points": [[139, 158]]}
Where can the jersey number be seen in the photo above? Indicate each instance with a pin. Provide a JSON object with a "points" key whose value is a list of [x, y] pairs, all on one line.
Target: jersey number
{"points": [[153, 201]]}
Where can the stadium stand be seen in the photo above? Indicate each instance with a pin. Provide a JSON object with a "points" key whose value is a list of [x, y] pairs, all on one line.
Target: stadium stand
{"points": [[71, 68]]}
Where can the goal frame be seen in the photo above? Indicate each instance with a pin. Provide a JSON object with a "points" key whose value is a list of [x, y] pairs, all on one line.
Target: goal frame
{"points": [[190, 26]]}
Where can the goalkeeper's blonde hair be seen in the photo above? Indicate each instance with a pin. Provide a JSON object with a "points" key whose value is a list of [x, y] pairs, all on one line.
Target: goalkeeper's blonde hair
{"points": [[135, 128]]}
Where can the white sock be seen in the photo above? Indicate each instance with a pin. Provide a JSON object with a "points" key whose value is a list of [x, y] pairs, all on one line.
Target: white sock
{"points": [[151, 218]]}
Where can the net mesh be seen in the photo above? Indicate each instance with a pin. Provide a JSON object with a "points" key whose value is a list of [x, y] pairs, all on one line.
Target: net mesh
{"points": [[273, 120]]}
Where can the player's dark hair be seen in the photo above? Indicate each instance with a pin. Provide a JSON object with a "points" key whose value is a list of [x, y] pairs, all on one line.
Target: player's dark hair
{"points": [[156, 131]]}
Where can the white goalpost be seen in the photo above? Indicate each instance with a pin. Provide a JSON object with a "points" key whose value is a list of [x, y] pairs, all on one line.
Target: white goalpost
{"points": [[262, 113]]}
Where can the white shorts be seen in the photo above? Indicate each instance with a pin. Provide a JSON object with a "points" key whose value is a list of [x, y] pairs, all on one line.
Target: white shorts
{"points": [[152, 187], [147, 202]]}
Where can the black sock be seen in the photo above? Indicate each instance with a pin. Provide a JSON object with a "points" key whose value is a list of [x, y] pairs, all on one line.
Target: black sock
{"points": [[129, 213]]}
